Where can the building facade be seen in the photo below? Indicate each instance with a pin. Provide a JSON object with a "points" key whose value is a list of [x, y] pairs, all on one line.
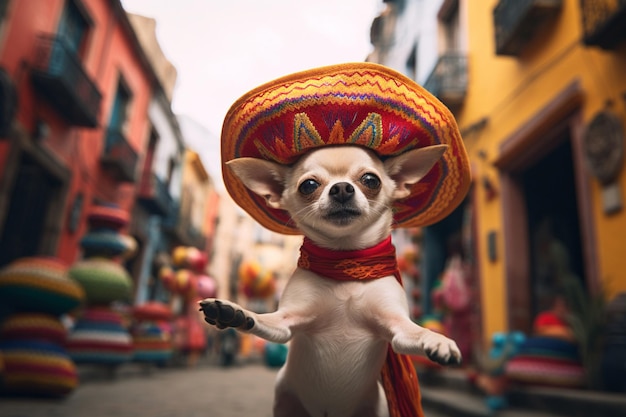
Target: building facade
{"points": [[538, 92], [427, 41], [77, 129], [543, 119], [86, 118], [160, 176]]}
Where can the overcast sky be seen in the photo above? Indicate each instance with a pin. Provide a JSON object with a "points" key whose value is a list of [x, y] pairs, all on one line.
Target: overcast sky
{"points": [[222, 49]]}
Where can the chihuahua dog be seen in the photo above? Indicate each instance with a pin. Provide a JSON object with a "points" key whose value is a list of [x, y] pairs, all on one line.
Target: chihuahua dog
{"points": [[341, 198]]}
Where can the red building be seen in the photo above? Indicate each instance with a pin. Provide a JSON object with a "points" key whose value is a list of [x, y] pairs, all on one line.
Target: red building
{"points": [[75, 87]]}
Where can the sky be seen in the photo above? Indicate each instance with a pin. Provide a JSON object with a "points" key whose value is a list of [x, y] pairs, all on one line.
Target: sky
{"points": [[222, 49]]}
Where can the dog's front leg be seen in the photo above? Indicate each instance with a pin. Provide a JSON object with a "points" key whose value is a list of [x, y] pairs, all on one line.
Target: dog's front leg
{"points": [[409, 338], [406, 337], [274, 327]]}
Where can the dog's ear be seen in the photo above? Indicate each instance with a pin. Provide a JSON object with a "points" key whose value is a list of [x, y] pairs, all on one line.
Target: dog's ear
{"points": [[262, 177], [410, 167]]}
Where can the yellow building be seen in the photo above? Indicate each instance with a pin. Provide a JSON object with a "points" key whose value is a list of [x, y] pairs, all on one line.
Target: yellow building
{"points": [[543, 120], [539, 93]]}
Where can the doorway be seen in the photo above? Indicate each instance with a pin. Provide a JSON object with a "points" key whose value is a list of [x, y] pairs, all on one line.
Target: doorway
{"points": [[31, 208], [545, 198], [554, 235]]}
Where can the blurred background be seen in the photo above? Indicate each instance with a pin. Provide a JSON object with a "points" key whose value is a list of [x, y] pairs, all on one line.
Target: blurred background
{"points": [[114, 221]]}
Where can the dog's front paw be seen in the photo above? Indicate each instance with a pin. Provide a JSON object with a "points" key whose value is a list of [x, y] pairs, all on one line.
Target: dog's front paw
{"points": [[225, 314], [440, 349]]}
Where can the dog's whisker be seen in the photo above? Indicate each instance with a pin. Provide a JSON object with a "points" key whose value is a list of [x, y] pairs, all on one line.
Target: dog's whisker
{"points": [[304, 213]]}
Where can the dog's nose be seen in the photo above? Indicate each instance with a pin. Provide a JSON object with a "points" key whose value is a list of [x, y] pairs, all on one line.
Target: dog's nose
{"points": [[342, 192]]}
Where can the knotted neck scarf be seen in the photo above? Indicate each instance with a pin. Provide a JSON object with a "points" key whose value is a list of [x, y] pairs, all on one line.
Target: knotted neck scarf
{"points": [[398, 373]]}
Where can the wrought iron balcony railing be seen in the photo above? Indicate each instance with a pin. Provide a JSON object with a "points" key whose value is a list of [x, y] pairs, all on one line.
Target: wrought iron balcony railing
{"points": [[171, 219], [154, 195], [448, 80], [517, 21], [196, 237], [119, 157], [60, 77], [182, 230], [604, 22]]}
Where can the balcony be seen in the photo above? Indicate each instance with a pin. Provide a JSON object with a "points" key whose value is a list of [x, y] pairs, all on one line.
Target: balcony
{"points": [[171, 219], [517, 21], [196, 237], [604, 22], [448, 80], [60, 77], [154, 195], [119, 157], [179, 227]]}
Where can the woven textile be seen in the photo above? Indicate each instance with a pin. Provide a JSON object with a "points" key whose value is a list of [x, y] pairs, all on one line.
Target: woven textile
{"points": [[100, 337], [37, 368], [103, 242], [39, 284], [37, 326], [152, 310], [375, 262], [151, 343], [361, 104], [103, 280], [109, 216], [547, 361]]}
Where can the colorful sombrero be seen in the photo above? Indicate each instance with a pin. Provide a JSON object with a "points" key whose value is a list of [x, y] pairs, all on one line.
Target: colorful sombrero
{"points": [[37, 368], [108, 216], [152, 311], [102, 280], [39, 284], [33, 326], [356, 103], [100, 337]]}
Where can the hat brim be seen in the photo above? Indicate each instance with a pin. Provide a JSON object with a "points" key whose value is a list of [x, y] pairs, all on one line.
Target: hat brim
{"points": [[362, 104]]}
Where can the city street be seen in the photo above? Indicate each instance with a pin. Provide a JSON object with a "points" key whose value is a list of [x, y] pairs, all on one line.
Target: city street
{"points": [[204, 391], [154, 154]]}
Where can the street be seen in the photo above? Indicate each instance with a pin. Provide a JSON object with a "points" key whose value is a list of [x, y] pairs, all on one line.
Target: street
{"points": [[204, 391]]}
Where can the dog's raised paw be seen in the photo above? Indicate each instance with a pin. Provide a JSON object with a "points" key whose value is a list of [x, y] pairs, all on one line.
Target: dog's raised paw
{"points": [[225, 314], [450, 359], [442, 350]]}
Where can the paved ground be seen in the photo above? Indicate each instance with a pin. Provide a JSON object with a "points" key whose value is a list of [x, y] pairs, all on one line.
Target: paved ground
{"points": [[205, 391]]}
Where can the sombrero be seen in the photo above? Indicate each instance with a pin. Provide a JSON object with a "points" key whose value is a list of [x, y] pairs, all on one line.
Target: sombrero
{"points": [[353, 104]]}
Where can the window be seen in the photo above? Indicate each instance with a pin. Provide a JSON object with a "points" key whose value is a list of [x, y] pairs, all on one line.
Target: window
{"points": [[73, 26], [119, 114], [3, 10], [151, 151], [449, 18]]}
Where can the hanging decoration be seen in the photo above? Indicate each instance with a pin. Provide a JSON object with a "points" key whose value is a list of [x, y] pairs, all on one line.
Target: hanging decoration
{"points": [[188, 282], [256, 281]]}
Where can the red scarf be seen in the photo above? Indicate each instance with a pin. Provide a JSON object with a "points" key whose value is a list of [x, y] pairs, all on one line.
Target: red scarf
{"points": [[398, 374]]}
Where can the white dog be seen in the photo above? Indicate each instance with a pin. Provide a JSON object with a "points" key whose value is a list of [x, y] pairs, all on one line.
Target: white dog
{"points": [[341, 198]]}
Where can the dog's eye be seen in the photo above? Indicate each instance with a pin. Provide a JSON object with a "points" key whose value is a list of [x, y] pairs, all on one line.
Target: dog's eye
{"points": [[371, 181], [308, 187]]}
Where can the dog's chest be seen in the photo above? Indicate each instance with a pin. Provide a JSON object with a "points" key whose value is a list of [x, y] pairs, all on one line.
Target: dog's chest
{"points": [[341, 305], [335, 359], [342, 316]]}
